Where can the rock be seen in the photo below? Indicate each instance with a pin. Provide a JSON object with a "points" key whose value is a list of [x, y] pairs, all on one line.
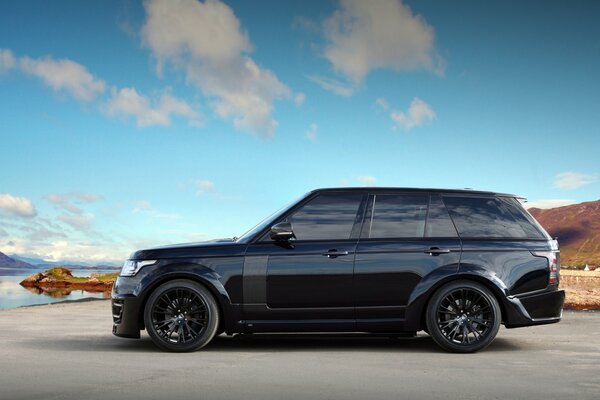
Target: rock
{"points": [[33, 278]]}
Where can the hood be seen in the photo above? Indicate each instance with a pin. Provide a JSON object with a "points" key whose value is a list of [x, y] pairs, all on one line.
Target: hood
{"points": [[211, 248]]}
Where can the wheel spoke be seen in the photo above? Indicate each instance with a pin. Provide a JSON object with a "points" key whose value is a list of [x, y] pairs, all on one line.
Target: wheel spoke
{"points": [[179, 316], [448, 310], [473, 316]]}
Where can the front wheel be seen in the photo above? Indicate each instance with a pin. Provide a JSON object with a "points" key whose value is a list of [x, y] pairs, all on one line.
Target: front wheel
{"points": [[181, 315], [463, 317]]}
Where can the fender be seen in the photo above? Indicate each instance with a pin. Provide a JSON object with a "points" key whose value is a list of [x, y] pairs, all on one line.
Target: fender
{"points": [[422, 292], [197, 272], [420, 296]]}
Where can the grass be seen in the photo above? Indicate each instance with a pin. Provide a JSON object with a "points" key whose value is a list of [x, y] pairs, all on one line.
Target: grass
{"points": [[64, 274]]}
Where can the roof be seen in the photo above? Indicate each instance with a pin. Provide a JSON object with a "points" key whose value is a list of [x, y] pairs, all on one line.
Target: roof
{"points": [[415, 190]]}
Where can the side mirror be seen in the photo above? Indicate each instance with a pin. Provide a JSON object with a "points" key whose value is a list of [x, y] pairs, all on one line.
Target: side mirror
{"points": [[282, 231]]}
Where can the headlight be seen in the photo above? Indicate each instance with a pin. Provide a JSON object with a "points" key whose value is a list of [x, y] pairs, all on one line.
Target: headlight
{"points": [[131, 267]]}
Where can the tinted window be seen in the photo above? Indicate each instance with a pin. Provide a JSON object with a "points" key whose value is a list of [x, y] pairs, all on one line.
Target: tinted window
{"points": [[482, 217], [439, 223], [524, 219], [397, 216], [328, 216]]}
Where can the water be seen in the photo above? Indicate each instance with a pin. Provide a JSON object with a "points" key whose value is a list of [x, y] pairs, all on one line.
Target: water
{"points": [[14, 295]]}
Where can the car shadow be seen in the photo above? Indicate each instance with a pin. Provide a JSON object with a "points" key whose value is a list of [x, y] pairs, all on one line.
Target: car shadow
{"points": [[267, 343]]}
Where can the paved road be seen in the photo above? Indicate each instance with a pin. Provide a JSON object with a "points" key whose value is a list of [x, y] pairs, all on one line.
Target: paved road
{"points": [[66, 351]]}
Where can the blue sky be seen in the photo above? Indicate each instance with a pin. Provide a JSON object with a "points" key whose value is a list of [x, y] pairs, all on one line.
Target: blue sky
{"points": [[130, 124]]}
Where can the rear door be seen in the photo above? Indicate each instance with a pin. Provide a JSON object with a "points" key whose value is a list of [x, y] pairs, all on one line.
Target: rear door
{"points": [[404, 238]]}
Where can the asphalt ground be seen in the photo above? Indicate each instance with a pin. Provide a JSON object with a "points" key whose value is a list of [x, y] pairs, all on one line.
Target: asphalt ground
{"points": [[67, 351]]}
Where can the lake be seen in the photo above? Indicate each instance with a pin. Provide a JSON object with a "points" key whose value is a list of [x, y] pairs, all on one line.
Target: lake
{"points": [[14, 295]]}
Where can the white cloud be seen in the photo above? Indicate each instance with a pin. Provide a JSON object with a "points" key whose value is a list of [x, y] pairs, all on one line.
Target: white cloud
{"points": [[80, 222], [64, 75], [75, 79], [128, 102], [144, 207], [84, 197], [573, 180], [7, 60], [549, 203], [333, 85], [367, 180], [204, 186], [20, 206], [382, 103], [367, 35], [418, 113], [311, 133], [60, 250], [206, 40], [66, 201]]}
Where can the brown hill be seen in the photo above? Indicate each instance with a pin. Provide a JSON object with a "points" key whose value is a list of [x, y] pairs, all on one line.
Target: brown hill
{"points": [[577, 228]]}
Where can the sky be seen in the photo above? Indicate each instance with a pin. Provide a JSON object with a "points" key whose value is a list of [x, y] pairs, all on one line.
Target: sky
{"points": [[127, 124]]}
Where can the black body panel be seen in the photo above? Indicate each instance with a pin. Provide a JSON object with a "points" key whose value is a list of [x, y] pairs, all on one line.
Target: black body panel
{"points": [[356, 284]]}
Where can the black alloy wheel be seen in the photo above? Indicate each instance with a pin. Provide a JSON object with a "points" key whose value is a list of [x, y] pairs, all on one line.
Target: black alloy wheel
{"points": [[181, 315], [463, 317]]}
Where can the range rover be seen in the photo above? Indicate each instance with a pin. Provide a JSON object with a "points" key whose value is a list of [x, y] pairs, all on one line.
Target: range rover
{"points": [[453, 263]]}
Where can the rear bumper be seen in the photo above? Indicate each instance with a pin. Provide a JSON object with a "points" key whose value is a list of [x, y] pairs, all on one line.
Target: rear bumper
{"points": [[534, 309], [126, 317]]}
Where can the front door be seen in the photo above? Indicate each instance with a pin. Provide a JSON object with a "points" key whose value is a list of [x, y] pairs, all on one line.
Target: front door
{"points": [[310, 278]]}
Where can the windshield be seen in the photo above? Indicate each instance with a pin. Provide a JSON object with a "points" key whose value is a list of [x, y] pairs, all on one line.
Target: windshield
{"points": [[269, 220]]}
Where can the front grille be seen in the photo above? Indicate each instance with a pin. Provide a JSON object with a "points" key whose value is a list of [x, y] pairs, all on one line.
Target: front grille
{"points": [[117, 311]]}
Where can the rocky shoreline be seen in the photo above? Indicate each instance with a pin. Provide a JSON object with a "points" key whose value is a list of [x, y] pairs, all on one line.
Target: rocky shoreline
{"points": [[62, 278]]}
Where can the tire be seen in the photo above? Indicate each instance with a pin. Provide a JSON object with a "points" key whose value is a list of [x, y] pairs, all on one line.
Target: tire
{"points": [[181, 316], [463, 317]]}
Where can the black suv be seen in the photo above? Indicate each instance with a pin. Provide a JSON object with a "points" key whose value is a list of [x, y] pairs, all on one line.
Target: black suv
{"points": [[455, 263]]}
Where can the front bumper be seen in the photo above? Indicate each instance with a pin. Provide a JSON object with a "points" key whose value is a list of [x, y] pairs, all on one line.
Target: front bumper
{"points": [[126, 307], [534, 309], [126, 317]]}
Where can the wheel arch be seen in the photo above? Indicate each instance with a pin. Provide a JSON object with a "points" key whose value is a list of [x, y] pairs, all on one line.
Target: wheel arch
{"points": [[219, 293], [417, 310]]}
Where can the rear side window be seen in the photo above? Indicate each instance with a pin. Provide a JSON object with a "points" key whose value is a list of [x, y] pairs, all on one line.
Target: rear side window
{"points": [[326, 217], [483, 217], [531, 227], [397, 216], [439, 223]]}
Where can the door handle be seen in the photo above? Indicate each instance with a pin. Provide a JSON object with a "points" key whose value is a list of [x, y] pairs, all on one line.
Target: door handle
{"points": [[436, 251], [333, 253]]}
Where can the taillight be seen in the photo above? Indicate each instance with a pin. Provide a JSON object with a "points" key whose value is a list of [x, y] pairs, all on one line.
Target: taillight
{"points": [[553, 264]]}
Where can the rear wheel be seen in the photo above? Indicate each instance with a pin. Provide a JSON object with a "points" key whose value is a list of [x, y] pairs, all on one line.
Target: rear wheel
{"points": [[463, 317], [181, 315]]}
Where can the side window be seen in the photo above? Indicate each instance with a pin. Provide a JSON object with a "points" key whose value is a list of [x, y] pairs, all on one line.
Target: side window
{"points": [[439, 223], [326, 217], [524, 219], [482, 217], [397, 216]]}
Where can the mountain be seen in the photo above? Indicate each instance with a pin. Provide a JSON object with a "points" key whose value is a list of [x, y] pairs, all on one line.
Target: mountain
{"points": [[577, 228], [41, 263], [7, 262]]}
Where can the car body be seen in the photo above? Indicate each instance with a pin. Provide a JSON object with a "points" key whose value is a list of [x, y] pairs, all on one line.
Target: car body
{"points": [[368, 260]]}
